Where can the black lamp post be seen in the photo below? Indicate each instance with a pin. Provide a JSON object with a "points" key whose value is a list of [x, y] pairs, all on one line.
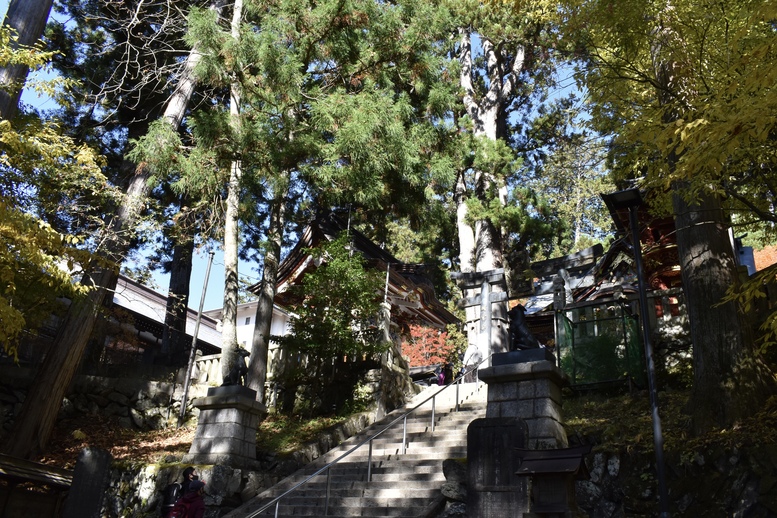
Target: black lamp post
{"points": [[631, 199]]}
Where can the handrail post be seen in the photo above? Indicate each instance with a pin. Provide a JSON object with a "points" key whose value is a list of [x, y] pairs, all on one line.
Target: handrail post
{"points": [[369, 464], [434, 398], [458, 384], [404, 435], [328, 483], [277, 505]]}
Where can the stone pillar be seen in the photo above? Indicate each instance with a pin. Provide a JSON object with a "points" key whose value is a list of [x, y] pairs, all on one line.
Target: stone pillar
{"points": [[527, 385], [494, 487], [491, 322], [226, 428], [90, 480]]}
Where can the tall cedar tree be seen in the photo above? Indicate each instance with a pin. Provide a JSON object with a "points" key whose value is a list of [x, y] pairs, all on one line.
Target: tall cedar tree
{"points": [[343, 113], [504, 66]]}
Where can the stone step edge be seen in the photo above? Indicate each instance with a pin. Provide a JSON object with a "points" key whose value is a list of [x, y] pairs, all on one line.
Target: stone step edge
{"points": [[331, 455]]}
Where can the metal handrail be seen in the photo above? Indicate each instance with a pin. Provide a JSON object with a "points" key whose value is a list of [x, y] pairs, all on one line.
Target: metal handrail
{"points": [[277, 500]]}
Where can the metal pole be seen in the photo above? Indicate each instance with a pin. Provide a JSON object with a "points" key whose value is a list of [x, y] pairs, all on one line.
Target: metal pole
{"points": [[433, 400], [404, 435], [369, 464], [328, 483], [658, 439], [458, 384], [193, 353]]}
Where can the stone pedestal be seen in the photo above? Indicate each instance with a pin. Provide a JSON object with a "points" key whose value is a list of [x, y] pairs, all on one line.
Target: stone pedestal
{"points": [[527, 385], [226, 428]]}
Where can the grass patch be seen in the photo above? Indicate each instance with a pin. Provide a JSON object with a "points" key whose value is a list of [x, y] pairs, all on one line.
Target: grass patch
{"points": [[623, 423], [284, 434]]}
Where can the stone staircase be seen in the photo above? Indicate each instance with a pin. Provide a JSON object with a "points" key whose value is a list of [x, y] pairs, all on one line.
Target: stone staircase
{"points": [[402, 484]]}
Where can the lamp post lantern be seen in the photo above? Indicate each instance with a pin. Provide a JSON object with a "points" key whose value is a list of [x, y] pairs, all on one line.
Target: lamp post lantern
{"points": [[631, 199]]}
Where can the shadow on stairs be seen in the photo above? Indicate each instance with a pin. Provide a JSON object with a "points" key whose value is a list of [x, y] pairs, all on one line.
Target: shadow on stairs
{"points": [[397, 474]]}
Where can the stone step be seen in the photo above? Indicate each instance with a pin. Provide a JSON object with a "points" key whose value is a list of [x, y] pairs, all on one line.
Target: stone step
{"points": [[402, 484], [318, 510], [337, 502], [362, 485], [422, 464], [383, 474], [390, 490]]}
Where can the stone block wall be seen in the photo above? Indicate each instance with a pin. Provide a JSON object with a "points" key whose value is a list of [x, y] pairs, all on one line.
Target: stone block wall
{"points": [[530, 391], [137, 490], [139, 404]]}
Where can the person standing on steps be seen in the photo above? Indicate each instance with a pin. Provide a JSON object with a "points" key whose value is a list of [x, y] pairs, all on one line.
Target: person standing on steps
{"points": [[448, 373]]}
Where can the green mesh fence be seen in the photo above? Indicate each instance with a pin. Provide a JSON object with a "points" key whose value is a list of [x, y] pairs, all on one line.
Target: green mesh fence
{"points": [[600, 344]]}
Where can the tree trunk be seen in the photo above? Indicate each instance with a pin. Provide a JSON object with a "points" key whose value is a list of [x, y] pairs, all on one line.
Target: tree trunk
{"points": [[729, 383], [33, 427], [231, 227], [480, 244], [28, 18], [174, 342], [257, 365]]}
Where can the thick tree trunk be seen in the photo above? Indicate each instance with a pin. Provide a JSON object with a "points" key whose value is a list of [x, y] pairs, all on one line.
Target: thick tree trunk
{"points": [[729, 383], [28, 18], [33, 427], [257, 365], [34, 424], [481, 243]]}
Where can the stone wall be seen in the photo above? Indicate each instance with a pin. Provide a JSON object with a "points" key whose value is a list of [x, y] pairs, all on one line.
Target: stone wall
{"points": [[139, 404], [136, 490], [734, 482]]}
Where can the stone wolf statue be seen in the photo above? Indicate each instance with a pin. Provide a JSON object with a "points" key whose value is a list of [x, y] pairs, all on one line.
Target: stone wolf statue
{"points": [[520, 335], [238, 370]]}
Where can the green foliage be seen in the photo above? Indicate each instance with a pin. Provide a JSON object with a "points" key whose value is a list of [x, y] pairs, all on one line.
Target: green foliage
{"points": [[703, 121], [333, 328], [338, 305], [31, 273], [52, 197]]}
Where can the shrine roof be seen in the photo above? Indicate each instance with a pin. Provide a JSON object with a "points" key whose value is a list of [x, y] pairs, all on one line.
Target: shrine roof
{"points": [[409, 290]]}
